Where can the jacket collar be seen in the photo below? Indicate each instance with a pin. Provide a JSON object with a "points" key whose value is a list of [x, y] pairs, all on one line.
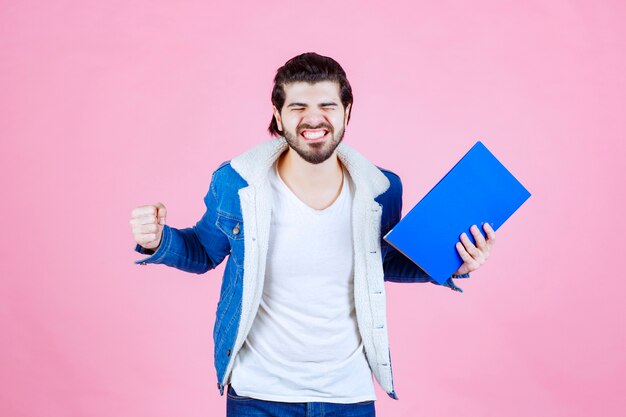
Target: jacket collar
{"points": [[253, 165]]}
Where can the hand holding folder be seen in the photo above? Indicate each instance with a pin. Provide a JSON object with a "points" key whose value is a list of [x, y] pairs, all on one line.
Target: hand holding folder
{"points": [[475, 255], [487, 192]]}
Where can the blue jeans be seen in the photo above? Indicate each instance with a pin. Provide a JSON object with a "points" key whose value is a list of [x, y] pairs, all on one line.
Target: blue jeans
{"points": [[239, 406]]}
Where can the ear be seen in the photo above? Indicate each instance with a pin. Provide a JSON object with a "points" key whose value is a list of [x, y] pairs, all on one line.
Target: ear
{"points": [[277, 117], [347, 113]]}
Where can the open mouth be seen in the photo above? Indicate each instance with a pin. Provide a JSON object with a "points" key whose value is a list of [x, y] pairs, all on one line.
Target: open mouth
{"points": [[314, 135]]}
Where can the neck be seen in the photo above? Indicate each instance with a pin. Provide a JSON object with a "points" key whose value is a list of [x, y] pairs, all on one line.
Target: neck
{"points": [[295, 170]]}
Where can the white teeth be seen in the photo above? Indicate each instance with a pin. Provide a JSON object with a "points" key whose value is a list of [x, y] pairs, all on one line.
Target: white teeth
{"points": [[314, 135]]}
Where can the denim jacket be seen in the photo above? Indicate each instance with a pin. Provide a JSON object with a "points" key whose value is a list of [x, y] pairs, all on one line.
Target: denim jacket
{"points": [[236, 223]]}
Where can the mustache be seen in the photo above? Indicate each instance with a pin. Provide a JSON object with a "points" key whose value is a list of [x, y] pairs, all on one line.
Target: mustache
{"points": [[307, 126]]}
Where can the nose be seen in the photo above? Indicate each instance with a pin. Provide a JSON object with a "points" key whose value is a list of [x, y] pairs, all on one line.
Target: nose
{"points": [[314, 117]]}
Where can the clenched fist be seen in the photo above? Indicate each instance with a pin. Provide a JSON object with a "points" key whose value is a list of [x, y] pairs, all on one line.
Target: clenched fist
{"points": [[147, 224]]}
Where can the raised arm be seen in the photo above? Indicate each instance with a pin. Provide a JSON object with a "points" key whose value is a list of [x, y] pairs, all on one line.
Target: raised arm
{"points": [[196, 249]]}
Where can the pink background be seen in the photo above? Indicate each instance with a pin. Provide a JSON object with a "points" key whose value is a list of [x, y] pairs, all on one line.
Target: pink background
{"points": [[105, 106]]}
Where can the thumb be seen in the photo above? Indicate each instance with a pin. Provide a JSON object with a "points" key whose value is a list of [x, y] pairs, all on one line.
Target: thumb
{"points": [[161, 213]]}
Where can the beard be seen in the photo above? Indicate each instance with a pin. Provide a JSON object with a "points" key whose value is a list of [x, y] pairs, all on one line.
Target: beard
{"points": [[314, 152]]}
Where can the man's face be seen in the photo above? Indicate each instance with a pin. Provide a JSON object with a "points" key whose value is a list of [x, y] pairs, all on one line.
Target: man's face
{"points": [[313, 119]]}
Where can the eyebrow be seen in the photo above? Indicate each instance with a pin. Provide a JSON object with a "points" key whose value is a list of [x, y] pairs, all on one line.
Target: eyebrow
{"points": [[329, 103]]}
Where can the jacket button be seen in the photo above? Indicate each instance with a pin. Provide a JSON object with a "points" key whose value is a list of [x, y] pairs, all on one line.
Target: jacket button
{"points": [[236, 230], [228, 352]]}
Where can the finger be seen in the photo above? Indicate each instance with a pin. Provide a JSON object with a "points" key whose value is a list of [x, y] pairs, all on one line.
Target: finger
{"points": [[143, 211], [145, 238], [469, 246], [143, 220], [147, 220], [162, 213], [491, 234], [141, 229], [146, 228], [478, 237], [467, 258]]}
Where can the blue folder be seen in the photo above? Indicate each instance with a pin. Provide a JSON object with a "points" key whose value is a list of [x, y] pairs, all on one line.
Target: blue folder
{"points": [[476, 190]]}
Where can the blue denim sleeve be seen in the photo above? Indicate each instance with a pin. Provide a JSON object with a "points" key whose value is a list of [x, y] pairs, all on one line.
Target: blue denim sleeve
{"points": [[196, 249], [399, 268]]}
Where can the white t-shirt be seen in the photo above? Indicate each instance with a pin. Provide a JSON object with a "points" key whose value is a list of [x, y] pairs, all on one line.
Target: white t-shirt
{"points": [[304, 344]]}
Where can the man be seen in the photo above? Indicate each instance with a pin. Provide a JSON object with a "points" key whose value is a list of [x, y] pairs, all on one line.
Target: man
{"points": [[300, 323]]}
